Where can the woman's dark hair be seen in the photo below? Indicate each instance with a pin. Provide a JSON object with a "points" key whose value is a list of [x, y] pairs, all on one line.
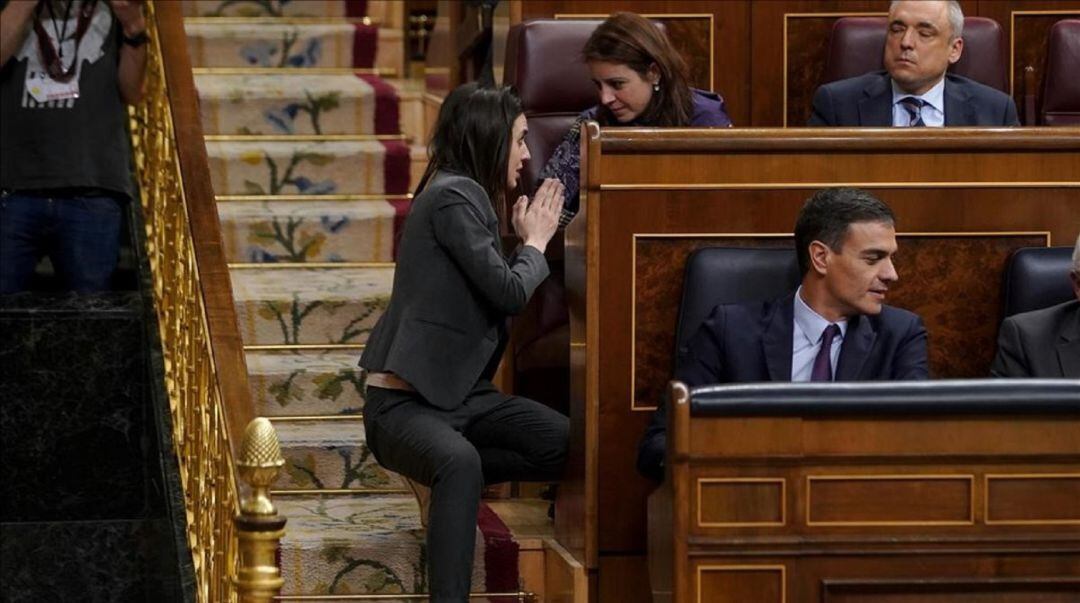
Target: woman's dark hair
{"points": [[632, 40], [472, 137]]}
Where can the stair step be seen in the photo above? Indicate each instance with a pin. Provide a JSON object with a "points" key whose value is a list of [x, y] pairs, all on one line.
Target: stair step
{"points": [[310, 231], [353, 167], [359, 545], [305, 383], [272, 8], [310, 306], [386, 13], [313, 44], [300, 103], [330, 454]]}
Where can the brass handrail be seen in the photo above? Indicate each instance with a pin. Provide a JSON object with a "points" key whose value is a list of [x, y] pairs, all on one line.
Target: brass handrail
{"points": [[205, 372]]}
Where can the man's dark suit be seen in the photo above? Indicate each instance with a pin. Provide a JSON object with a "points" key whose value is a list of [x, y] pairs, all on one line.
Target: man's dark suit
{"points": [[866, 100], [741, 343], [1042, 343]]}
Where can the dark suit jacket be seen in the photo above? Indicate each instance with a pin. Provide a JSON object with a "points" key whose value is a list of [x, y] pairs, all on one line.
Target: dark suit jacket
{"points": [[866, 100], [1042, 343], [453, 290], [749, 342]]}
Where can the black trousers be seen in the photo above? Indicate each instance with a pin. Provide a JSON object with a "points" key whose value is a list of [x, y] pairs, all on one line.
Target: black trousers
{"points": [[492, 437]]}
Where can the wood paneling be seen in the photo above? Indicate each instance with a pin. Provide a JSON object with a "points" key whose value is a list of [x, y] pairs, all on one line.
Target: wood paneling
{"points": [[729, 502], [860, 500], [740, 583], [753, 56], [899, 522], [1023, 499], [730, 52], [963, 199]]}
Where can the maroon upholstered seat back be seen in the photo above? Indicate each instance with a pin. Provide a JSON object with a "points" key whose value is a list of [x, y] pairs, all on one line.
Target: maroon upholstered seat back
{"points": [[1061, 83], [543, 61], [857, 46]]}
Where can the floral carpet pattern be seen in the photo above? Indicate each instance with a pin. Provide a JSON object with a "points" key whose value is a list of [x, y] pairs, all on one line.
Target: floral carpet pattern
{"points": [[313, 231], [294, 383], [312, 171], [290, 104], [327, 44]]}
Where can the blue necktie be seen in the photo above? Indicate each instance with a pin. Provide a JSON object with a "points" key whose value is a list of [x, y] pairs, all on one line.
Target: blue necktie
{"points": [[822, 370], [913, 106]]}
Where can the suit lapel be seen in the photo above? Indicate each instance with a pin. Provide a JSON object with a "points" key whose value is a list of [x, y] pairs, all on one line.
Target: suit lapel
{"points": [[856, 348], [875, 108], [776, 341], [1068, 346], [958, 111]]}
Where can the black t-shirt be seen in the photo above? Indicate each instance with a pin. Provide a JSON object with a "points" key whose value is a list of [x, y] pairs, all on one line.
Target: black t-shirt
{"points": [[71, 142]]}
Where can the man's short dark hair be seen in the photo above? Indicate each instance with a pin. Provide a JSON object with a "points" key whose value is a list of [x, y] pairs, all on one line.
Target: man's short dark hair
{"points": [[825, 217]]}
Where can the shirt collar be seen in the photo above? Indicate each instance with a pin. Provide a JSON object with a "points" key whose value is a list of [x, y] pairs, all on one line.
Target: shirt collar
{"points": [[935, 97], [810, 323]]}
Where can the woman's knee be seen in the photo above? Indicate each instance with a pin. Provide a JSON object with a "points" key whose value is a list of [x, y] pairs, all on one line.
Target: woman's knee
{"points": [[460, 462], [552, 454]]}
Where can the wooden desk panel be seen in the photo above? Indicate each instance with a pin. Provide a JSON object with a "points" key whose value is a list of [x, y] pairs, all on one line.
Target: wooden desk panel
{"points": [[859, 508], [963, 198]]}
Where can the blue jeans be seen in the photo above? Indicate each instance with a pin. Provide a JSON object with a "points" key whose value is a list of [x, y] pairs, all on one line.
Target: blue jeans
{"points": [[81, 236]]}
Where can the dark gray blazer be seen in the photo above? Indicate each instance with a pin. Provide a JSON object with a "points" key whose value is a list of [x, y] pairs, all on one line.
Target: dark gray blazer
{"points": [[1041, 343], [453, 290], [866, 100]]}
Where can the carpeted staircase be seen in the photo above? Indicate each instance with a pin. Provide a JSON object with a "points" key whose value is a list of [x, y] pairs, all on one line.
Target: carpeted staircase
{"points": [[312, 135]]}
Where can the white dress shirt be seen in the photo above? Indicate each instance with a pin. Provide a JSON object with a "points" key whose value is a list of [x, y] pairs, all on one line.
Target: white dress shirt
{"points": [[806, 340], [933, 111]]}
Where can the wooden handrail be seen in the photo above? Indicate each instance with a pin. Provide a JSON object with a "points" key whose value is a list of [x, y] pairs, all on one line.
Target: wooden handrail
{"points": [[225, 341], [205, 372]]}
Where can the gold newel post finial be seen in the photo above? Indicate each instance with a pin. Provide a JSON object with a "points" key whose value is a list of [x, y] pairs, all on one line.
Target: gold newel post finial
{"points": [[258, 525]]}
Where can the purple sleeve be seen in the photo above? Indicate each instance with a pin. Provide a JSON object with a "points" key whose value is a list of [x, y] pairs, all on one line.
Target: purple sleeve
{"points": [[565, 165], [709, 111]]}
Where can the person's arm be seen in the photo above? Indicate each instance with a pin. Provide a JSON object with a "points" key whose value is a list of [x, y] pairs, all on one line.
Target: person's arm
{"points": [[132, 70], [1010, 114], [699, 364], [823, 114], [14, 27], [462, 231], [565, 166], [1010, 360], [911, 362]]}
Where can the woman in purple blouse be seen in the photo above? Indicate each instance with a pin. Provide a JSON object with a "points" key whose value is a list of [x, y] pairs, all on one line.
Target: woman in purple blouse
{"points": [[641, 80]]}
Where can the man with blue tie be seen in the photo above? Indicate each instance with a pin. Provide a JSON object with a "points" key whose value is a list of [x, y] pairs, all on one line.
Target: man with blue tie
{"points": [[834, 327], [915, 90]]}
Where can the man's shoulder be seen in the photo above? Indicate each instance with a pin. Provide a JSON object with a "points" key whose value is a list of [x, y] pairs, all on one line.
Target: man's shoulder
{"points": [[896, 320], [751, 311], [975, 89], [1045, 320], [857, 84]]}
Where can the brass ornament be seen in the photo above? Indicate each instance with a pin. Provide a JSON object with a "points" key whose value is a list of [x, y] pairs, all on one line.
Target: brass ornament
{"points": [[259, 464]]}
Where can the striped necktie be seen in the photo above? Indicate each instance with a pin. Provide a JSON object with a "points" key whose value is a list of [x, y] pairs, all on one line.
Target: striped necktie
{"points": [[913, 106]]}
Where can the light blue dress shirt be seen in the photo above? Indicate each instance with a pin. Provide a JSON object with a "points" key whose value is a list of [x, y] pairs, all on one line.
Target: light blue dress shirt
{"points": [[933, 112], [806, 340]]}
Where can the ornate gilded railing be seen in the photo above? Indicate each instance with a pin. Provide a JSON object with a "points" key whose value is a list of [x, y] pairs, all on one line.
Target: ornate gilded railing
{"points": [[205, 374]]}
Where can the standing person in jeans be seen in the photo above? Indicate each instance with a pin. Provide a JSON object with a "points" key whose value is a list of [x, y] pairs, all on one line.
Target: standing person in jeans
{"points": [[68, 69], [431, 412]]}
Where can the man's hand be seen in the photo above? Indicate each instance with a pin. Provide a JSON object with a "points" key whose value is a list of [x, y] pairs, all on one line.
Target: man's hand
{"points": [[537, 222], [130, 15]]}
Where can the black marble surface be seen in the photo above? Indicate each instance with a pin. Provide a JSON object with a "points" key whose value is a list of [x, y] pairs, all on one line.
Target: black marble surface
{"points": [[115, 561], [73, 407]]}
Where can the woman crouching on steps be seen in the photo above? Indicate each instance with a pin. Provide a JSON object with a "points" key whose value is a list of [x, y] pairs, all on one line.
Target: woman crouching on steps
{"points": [[431, 411]]}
